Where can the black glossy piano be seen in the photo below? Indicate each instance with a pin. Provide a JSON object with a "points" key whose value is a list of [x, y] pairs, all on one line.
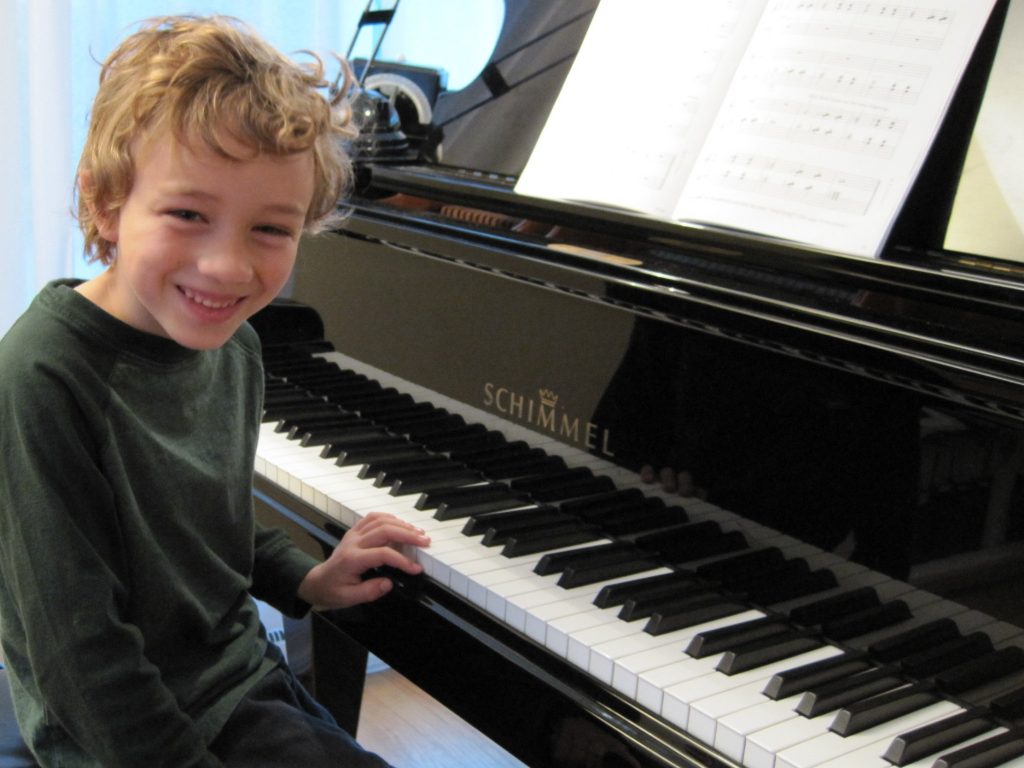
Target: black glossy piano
{"points": [[838, 582]]}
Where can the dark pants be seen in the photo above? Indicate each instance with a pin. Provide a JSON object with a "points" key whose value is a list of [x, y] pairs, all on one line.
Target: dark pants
{"points": [[279, 724]]}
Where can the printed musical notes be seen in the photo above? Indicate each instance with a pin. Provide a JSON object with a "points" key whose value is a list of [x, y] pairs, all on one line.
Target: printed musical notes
{"points": [[877, 23], [806, 120], [803, 182]]}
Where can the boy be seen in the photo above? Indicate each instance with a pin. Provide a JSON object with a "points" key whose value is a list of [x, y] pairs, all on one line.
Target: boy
{"points": [[130, 406]]}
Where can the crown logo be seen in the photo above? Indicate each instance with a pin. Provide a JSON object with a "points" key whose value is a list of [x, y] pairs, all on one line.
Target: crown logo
{"points": [[548, 398]]}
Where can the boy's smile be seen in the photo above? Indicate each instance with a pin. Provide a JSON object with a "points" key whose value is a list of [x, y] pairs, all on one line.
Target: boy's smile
{"points": [[203, 241]]}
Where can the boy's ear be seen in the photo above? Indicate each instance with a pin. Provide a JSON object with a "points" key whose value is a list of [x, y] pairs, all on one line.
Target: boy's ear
{"points": [[106, 221]]}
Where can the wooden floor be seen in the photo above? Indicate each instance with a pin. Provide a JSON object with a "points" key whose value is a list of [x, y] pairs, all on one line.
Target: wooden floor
{"points": [[411, 730]]}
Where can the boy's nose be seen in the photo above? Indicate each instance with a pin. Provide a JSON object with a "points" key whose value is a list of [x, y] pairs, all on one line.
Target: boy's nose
{"points": [[228, 262]]}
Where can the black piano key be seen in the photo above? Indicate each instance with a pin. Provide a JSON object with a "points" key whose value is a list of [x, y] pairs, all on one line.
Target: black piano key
{"points": [[645, 520], [530, 531], [667, 603], [428, 481], [988, 753], [401, 405], [524, 517], [335, 449], [355, 398], [717, 608], [428, 472], [315, 413], [466, 495], [501, 455], [581, 575], [423, 432], [937, 736], [555, 562], [469, 440], [342, 436], [754, 563], [378, 454], [525, 467], [455, 510], [946, 655], [617, 594], [771, 591], [293, 396], [692, 541], [836, 606], [867, 620], [387, 471], [1009, 706], [768, 651], [445, 439], [981, 670], [718, 640], [867, 713], [594, 507], [502, 452], [569, 484], [838, 693], [793, 681], [705, 529], [295, 428], [530, 545], [280, 410], [795, 568], [914, 640], [401, 421], [421, 459]]}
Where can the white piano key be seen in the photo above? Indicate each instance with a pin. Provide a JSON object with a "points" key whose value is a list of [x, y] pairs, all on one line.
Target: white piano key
{"points": [[827, 746], [867, 757], [714, 696]]}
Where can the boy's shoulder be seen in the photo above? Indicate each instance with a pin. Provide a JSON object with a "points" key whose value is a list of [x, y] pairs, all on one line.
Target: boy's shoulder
{"points": [[38, 329]]}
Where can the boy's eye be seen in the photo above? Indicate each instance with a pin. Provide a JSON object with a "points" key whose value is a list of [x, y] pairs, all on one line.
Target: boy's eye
{"points": [[185, 215], [271, 229]]}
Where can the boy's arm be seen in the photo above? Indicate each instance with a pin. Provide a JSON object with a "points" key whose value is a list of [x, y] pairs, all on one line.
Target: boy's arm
{"points": [[278, 569], [63, 582]]}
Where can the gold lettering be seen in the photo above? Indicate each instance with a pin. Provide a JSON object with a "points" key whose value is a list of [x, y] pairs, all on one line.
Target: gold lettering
{"points": [[604, 444], [570, 428], [546, 418], [501, 393], [516, 405]]}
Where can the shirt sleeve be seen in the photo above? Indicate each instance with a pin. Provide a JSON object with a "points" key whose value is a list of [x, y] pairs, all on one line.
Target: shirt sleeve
{"points": [[278, 570], [82, 663]]}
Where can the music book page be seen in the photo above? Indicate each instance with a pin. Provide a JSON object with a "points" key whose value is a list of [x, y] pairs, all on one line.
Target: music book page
{"points": [[806, 120]]}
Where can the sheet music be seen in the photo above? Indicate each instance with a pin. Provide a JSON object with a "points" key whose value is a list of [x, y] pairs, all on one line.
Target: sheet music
{"points": [[638, 101], [801, 119], [829, 118]]}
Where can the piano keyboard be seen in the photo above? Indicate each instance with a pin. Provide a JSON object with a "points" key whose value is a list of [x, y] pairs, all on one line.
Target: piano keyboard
{"points": [[787, 699]]}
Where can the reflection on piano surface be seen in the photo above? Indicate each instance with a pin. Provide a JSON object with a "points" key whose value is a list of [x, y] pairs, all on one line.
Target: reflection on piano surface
{"points": [[498, 370]]}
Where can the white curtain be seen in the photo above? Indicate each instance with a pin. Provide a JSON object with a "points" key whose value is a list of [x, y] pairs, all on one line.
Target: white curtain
{"points": [[50, 52], [37, 166]]}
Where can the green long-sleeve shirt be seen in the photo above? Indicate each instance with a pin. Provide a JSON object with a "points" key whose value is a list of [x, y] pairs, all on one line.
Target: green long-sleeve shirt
{"points": [[128, 547]]}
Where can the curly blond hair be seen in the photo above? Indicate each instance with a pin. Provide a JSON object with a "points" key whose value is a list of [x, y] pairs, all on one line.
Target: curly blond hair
{"points": [[212, 79]]}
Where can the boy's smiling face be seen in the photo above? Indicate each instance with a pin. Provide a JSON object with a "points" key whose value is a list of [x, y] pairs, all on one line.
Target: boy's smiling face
{"points": [[202, 241]]}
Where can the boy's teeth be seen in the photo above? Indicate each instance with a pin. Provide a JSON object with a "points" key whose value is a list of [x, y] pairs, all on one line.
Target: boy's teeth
{"points": [[207, 302]]}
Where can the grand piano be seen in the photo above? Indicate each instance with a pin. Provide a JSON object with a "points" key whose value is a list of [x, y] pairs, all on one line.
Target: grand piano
{"points": [[833, 579]]}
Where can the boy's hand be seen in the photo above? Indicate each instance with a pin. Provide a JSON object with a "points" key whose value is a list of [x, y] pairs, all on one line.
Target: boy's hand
{"points": [[371, 543]]}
